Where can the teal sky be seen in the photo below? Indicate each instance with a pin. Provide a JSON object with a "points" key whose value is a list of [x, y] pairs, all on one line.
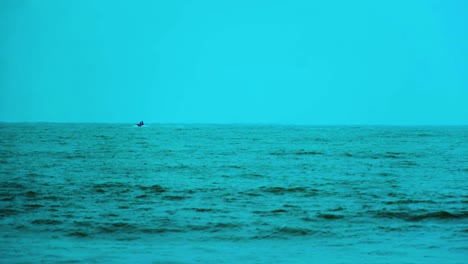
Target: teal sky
{"points": [[241, 61]]}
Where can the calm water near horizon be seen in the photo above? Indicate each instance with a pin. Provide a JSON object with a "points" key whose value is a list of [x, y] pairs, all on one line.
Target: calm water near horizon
{"points": [[116, 193]]}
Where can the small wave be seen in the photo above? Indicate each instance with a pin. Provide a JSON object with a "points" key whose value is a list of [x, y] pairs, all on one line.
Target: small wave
{"points": [[154, 188], [278, 153], [213, 227], [5, 212], [329, 216], [117, 227], [283, 190], [385, 174], [252, 194], [308, 219], [198, 227], [34, 175], [83, 223], [226, 225], [74, 156], [109, 215], [414, 217], [392, 215], [392, 155], [175, 197], [78, 234], [102, 188], [294, 231], [299, 152], [387, 155], [291, 206], [30, 194], [406, 164], [260, 212], [203, 210], [46, 222], [390, 228], [424, 135], [160, 230], [178, 167], [284, 233], [441, 215], [11, 185], [276, 211], [109, 185], [409, 201], [52, 198], [232, 167], [33, 206], [392, 194], [252, 175], [303, 152], [337, 209]]}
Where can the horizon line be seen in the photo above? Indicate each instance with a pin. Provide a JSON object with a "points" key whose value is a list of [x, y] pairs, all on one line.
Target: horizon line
{"points": [[237, 123]]}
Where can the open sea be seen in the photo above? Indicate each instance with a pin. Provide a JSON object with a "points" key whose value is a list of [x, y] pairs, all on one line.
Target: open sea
{"points": [[116, 193]]}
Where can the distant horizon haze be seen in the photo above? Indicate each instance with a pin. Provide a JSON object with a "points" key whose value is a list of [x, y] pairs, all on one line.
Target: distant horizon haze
{"points": [[234, 124]]}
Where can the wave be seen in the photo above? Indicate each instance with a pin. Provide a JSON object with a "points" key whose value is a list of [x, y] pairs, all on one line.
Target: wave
{"points": [[11, 185], [117, 227], [91, 229], [80, 234], [285, 232], [153, 189], [110, 186], [299, 152], [33, 206], [409, 201], [441, 215], [282, 190], [175, 197], [30, 194], [303, 152], [328, 216], [203, 210], [415, 217], [160, 230], [47, 222], [252, 194], [296, 231], [214, 227], [385, 174], [6, 212], [424, 135], [270, 212]]}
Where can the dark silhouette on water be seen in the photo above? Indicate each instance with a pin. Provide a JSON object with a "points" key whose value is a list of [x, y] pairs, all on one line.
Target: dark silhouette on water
{"points": [[140, 124]]}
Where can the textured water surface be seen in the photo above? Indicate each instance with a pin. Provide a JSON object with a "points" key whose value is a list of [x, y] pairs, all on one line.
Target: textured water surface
{"points": [[94, 193]]}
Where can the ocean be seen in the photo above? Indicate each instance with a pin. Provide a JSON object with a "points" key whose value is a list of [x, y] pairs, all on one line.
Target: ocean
{"points": [[116, 193]]}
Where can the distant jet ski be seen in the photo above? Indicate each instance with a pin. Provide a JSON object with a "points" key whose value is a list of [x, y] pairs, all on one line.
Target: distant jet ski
{"points": [[140, 124]]}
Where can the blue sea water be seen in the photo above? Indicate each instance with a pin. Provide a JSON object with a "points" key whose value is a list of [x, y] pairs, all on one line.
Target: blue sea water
{"points": [[115, 193]]}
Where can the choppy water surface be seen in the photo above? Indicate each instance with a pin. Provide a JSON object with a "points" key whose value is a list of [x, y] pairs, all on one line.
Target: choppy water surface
{"points": [[233, 194]]}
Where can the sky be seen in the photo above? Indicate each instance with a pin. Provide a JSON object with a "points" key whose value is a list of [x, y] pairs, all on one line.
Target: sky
{"points": [[389, 62]]}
